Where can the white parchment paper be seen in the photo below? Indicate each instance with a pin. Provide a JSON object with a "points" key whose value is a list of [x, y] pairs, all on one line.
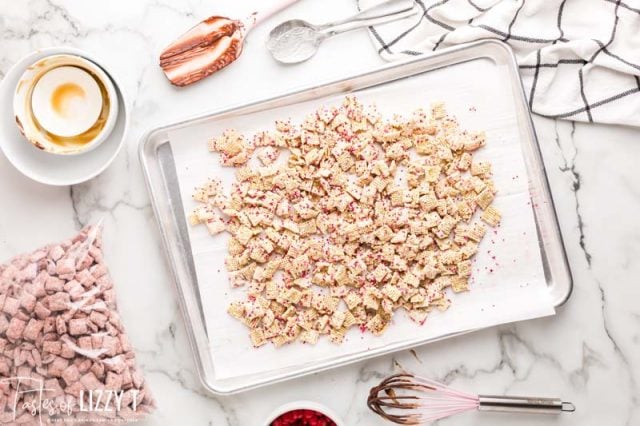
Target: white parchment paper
{"points": [[508, 281]]}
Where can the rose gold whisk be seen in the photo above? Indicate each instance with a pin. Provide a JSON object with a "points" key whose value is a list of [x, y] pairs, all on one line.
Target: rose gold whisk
{"points": [[410, 400]]}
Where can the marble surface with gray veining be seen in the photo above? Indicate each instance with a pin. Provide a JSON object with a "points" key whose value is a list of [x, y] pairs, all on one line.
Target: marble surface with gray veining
{"points": [[588, 353]]}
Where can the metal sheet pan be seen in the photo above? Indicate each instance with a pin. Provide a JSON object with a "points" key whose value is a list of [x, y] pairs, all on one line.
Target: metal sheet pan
{"points": [[157, 162]]}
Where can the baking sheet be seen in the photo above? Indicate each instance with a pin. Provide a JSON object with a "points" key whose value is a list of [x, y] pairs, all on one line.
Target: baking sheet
{"points": [[508, 279]]}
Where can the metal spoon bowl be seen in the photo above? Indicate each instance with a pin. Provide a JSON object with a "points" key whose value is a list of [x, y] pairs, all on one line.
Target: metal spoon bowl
{"points": [[297, 40]]}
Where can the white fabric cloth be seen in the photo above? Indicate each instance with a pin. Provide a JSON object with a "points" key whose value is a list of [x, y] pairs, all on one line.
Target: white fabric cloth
{"points": [[579, 59]]}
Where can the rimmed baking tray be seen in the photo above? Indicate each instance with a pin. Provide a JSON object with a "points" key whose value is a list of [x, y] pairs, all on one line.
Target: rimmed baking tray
{"points": [[160, 172]]}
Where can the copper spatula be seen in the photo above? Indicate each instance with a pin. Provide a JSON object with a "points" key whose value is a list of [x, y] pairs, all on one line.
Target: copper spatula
{"points": [[211, 45]]}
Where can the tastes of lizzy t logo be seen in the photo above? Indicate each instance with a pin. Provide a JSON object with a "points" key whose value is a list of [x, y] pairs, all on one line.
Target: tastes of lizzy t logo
{"points": [[28, 397]]}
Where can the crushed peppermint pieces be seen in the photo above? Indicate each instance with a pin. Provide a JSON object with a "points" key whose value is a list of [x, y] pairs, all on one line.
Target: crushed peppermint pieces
{"points": [[303, 417], [336, 237]]}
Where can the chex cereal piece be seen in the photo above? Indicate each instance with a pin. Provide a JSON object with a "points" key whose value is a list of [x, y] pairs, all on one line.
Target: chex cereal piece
{"points": [[215, 225], [480, 168], [491, 215], [337, 335], [485, 198], [464, 268], [459, 283], [268, 155], [476, 231], [309, 336], [392, 292], [475, 141], [257, 337]]}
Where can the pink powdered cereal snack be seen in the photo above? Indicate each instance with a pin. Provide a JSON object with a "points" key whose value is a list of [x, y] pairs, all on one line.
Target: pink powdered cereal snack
{"points": [[64, 352]]}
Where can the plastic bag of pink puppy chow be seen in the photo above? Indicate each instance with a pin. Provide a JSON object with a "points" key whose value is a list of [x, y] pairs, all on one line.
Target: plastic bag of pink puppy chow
{"points": [[64, 353]]}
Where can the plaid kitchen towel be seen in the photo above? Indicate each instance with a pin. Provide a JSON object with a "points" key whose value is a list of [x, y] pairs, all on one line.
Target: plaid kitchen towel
{"points": [[579, 59]]}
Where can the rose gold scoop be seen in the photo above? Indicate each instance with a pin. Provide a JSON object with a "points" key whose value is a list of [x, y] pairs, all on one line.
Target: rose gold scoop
{"points": [[211, 45]]}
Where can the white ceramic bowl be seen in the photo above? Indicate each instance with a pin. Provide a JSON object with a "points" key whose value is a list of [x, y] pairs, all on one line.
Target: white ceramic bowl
{"points": [[304, 405], [43, 167], [22, 102]]}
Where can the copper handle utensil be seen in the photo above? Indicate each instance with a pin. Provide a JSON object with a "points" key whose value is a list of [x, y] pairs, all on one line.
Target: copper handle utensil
{"points": [[211, 45]]}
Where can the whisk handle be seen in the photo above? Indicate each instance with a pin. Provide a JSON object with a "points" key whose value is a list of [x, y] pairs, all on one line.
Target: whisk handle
{"points": [[524, 404]]}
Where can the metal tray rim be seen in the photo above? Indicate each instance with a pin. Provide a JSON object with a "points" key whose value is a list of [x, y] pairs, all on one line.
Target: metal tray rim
{"points": [[151, 137]]}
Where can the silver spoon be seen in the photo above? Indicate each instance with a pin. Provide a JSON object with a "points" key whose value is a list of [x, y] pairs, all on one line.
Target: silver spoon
{"points": [[297, 40]]}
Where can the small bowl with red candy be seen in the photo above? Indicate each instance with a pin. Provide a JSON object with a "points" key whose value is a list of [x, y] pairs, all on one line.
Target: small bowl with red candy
{"points": [[303, 413]]}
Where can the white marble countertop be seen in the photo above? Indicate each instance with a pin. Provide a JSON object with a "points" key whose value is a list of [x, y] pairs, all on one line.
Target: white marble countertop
{"points": [[588, 353]]}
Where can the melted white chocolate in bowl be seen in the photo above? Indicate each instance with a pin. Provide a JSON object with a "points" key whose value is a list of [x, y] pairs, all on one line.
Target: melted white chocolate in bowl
{"points": [[66, 101], [64, 106]]}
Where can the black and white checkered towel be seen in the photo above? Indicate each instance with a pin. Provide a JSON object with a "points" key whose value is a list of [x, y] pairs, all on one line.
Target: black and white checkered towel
{"points": [[579, 59]]}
